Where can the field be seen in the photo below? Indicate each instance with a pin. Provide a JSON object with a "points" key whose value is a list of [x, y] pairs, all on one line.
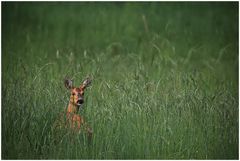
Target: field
{"points": [[165, 79]]}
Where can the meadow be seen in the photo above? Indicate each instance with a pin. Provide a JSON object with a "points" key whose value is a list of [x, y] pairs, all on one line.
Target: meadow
{"points": [[165, 79]]}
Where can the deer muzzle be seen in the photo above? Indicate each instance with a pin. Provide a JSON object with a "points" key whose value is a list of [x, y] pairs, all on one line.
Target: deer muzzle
{"points": [[80, 101]]}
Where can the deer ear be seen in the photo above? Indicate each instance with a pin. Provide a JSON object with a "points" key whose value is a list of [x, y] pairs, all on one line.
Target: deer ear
{"points": [[68, 83], [86, 83]]}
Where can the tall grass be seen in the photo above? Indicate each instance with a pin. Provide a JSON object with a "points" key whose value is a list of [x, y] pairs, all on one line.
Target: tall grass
{"points": [[165, 79]]}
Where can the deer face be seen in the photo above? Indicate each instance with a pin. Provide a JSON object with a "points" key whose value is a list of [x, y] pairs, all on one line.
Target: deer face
{"points": [[77, 93], [76, 97]]}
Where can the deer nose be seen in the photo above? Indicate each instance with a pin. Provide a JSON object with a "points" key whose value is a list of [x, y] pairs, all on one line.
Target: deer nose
{"points": [[80, 101]]}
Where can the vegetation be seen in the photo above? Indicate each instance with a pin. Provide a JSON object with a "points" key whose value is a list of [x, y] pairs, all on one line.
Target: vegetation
{"points": [[165, 79]]}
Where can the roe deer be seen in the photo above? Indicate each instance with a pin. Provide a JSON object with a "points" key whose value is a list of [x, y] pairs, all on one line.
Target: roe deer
{"points": [[73, 119]]}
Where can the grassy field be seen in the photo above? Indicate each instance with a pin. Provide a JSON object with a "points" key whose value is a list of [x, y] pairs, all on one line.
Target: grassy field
{"points": [[165, 79]]}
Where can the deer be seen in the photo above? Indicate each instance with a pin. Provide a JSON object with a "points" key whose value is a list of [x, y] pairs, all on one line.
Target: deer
{"points": [[73, 119]]}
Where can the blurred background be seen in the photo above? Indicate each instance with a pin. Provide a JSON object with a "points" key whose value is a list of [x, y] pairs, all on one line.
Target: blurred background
{"points": [[165, 79]]}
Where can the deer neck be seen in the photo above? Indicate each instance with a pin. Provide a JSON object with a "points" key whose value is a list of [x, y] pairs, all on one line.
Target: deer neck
{"points": [[72, 108]]}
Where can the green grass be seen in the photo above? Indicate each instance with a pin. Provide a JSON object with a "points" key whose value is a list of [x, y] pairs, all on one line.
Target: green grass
{"points": [[165, 79]]}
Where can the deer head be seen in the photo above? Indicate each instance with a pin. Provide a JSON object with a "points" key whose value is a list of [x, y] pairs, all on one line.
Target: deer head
{"points": [[77, 93]]}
